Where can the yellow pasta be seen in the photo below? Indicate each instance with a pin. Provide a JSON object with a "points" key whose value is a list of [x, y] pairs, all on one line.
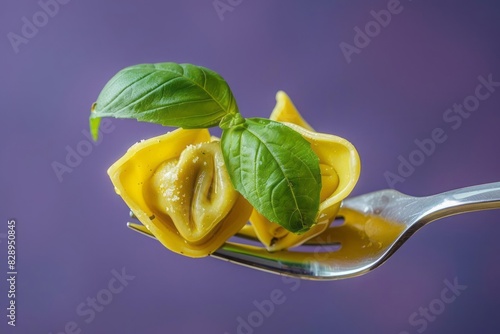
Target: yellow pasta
{"points": [[340, 169], [178, 187]]}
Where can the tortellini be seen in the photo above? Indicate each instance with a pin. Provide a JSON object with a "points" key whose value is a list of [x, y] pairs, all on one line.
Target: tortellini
{"points": [[178, 187], [340, 169]]}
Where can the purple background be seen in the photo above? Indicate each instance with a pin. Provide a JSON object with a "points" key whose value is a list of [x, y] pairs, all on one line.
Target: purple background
{"points": [[72, 234]]}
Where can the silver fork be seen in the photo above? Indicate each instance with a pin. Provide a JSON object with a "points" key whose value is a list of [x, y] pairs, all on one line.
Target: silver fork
{"points": [[374, 226]]}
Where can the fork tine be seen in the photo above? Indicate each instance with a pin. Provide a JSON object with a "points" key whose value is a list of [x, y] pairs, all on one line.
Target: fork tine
{"points": [[327, 237], [140, 229], [247, 232]]}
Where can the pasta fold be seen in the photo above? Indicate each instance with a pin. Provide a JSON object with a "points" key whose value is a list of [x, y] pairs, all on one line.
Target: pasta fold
{"points": [[340, 169]]}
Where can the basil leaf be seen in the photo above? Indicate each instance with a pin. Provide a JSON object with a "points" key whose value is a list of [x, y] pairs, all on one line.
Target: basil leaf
{"points": [[276, 170], [181, 95]]}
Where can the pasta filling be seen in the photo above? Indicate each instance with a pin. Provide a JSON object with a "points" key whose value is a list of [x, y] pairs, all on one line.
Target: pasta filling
{"points": [[194, 191]]}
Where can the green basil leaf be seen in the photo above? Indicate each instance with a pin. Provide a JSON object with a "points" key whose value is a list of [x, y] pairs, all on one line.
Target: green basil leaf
{"points": [[170, 94], [276, 170]]}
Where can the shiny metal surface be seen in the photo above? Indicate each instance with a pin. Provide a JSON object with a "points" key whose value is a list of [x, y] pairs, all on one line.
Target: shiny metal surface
{"points": [[375, 226]]}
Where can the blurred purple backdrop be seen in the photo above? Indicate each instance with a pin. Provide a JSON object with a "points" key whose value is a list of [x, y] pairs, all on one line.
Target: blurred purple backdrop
{"points": [[72, 234]]}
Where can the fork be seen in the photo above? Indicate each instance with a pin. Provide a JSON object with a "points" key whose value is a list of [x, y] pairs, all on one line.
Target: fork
{"points": [[373, 227]]}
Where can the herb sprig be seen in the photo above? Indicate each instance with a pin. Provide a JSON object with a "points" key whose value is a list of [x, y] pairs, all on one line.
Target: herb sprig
{"points": [[270, 164]]}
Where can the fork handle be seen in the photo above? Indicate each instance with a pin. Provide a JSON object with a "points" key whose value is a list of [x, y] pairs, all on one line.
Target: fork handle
{"points": [[474, 198]]}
